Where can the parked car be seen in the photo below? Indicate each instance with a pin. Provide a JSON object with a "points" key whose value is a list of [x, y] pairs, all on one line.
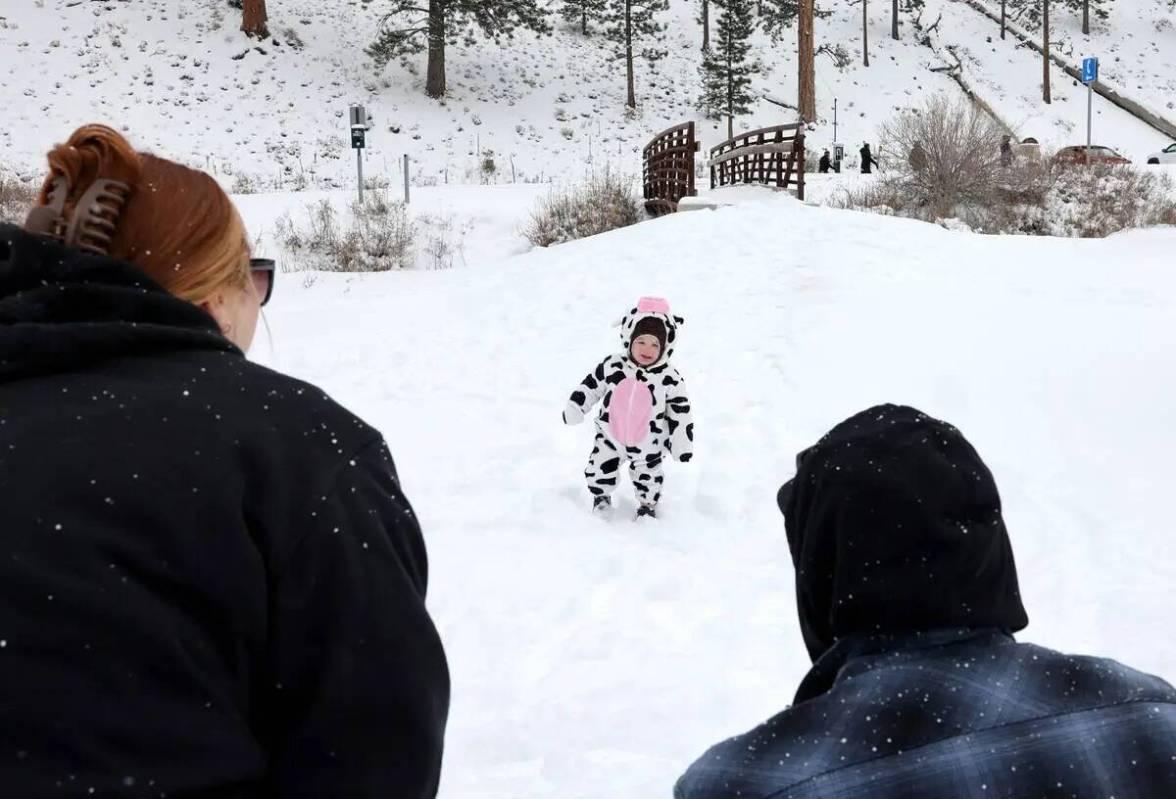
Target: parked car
{"points": [[1164, 156], [1083, 156]]}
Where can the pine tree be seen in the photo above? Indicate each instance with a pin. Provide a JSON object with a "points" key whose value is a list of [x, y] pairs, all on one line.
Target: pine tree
{"points": [[633, 29], [583, 12], [254, 18], [778, 16], [727, 67], [411, 26], [1029, 12]]}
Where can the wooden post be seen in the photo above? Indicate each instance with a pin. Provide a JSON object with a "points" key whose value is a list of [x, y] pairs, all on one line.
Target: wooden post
{"points": [[800, 178]]}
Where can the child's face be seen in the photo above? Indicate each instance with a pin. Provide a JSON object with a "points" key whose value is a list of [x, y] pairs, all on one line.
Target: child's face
{"points": [[646, 350]]}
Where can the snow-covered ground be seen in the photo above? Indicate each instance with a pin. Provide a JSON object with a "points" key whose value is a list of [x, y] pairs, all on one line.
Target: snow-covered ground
{"points": [[1008, 77], [596, 658], [181, 77], [1136, 47]]}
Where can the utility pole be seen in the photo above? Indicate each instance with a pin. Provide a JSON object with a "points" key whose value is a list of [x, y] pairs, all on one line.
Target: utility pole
{"points": [[806, 94]]}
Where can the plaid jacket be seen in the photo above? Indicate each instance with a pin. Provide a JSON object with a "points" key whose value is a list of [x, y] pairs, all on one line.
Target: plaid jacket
{"points": [[961, 716]]}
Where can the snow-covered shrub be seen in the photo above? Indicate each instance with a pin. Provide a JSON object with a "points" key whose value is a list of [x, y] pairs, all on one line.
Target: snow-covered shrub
{"points": [[379, 237], [487, 168], [605, 203], [959, 145], [245, 184], [16, 198], [1096, 201], [438, 248], [1042, 199]]}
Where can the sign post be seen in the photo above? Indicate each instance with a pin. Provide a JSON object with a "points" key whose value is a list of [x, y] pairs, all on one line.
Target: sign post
{"points": [[359, 127], [1089, 77]]}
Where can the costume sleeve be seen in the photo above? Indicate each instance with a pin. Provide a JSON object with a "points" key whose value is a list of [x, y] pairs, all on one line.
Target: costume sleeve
{"points": [[681, 422], [587, 394], [360, 686]]}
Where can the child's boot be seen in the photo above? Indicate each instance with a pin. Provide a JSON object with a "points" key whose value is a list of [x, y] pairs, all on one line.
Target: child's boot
{"points": [[602, 504], [646, 511]]}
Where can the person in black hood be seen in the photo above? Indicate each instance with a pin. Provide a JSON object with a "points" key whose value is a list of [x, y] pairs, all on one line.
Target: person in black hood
{"points": [[213, 583], [908, 598]]}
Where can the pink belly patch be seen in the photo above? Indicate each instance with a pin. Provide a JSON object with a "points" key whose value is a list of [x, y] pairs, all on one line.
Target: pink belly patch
{"points": [[629, 412]]}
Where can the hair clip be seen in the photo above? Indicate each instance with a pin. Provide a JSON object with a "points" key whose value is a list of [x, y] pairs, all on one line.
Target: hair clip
{"points": [[95, 217], [49, 219], [94, 220]]}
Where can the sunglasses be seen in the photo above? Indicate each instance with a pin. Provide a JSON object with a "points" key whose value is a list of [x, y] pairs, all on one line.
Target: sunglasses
{"points": [[262, 271]]}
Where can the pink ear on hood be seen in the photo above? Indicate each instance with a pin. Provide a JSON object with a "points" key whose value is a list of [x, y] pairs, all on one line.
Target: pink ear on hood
{"points": [[653, 305]]}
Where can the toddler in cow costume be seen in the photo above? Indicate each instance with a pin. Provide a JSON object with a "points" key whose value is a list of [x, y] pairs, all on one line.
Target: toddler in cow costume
{"points": [[646, 413]]}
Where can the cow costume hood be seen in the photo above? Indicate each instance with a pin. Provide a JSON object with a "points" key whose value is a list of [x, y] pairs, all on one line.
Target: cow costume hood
{"points": [[651, 308]]}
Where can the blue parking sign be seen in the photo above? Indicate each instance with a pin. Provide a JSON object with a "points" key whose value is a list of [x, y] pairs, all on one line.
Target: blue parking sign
{"points": [[1089, 70]]}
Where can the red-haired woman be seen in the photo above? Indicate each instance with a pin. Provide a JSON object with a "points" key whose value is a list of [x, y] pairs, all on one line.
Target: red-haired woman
{"points": [[212, 583]]}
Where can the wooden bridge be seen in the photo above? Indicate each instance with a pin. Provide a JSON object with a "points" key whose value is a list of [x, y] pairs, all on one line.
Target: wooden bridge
{"points": [[767, 156]]}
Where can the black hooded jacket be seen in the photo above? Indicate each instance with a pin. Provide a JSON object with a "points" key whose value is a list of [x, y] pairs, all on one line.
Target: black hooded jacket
{"points": [[212, 583], [907, 596], [895, 526]]}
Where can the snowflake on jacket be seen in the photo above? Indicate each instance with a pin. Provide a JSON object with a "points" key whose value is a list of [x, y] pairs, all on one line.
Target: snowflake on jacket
{"points": [[645, 413]]}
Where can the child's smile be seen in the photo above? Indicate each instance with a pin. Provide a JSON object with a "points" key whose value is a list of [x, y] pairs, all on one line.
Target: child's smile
{"points": [[646, 350]]}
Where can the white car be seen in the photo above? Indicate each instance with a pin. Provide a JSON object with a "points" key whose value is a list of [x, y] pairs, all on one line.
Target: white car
{"points": [[1165, 156]]}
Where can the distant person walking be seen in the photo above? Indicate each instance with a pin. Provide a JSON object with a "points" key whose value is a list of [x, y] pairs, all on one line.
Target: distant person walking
{"points": [[867, 159], [1006, 151], [918, 157], [825, 163]]}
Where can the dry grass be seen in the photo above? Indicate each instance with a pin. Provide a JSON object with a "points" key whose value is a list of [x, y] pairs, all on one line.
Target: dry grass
{"points": [[380, 237], [606, 202], [16, 198]]}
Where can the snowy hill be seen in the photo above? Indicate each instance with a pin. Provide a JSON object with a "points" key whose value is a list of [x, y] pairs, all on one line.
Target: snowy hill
{"points": [[596, 658], [184, 80]]}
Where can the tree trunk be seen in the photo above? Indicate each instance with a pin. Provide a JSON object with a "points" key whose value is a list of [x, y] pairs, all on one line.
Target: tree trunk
{"points": [[584, 20], [705, 24], [894, 20], [631, 99], [435, 77], [730, 96], [865, 36], [1002, 19], [1045, 95], [806, 92], [254, 18], [1086, 17]]}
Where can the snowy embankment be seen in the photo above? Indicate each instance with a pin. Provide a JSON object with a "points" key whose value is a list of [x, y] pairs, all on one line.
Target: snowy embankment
{"points": [[596, 658], [184, 81]]}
